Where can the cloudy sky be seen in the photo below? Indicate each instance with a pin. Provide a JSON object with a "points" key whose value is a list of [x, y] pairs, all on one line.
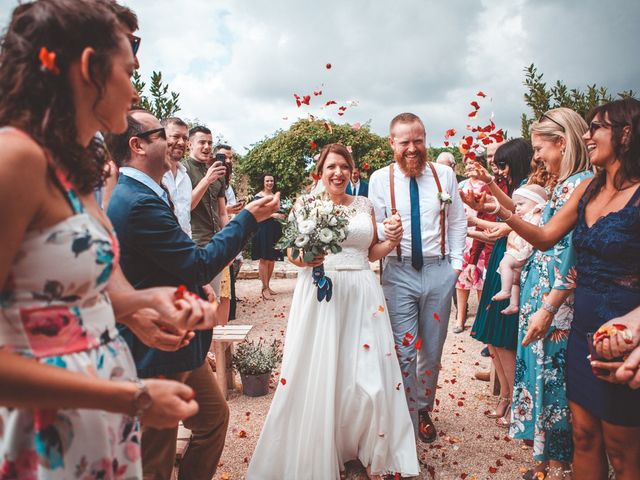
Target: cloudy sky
{"points": [[236, 64]]}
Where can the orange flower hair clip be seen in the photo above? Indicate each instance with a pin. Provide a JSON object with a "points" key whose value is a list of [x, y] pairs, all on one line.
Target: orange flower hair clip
{"points": [[48, 61]]}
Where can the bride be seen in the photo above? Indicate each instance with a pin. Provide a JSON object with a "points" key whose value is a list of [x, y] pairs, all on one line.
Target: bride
{"points": [[340, 395]]}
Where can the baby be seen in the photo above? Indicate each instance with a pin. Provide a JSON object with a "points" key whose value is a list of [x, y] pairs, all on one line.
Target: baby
{"points": [[529, 201]]}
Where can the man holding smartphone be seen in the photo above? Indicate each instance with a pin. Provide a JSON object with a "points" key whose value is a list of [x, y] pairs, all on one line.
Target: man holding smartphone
{"points": [[208, 204]]}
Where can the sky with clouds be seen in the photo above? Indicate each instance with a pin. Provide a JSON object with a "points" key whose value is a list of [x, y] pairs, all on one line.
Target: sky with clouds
{"points": [[236, 64]]}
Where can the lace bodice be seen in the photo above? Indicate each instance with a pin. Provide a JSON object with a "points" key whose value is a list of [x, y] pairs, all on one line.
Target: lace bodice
{"points": [[609, 250], [355, 248]]}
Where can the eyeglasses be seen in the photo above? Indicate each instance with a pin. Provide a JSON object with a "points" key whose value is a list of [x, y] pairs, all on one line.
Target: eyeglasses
{"points": [[593, 126], [544, 115], [135, 43], [160, 131]]}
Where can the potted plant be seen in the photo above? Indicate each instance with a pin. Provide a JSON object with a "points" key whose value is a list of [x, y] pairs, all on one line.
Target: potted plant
{"points": [[255, 361]]}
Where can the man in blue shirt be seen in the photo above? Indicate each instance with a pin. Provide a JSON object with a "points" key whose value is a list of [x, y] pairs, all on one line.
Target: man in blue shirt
{"points": [[155, 251]]}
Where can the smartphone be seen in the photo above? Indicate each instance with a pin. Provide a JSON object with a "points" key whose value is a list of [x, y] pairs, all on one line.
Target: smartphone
{"points": [[221, 157], [594, 356]]}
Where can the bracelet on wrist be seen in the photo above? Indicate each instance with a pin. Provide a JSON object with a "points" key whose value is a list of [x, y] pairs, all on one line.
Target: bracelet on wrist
{"points": [[549, 308], [497, 209], [490, 181], [506, 219]]}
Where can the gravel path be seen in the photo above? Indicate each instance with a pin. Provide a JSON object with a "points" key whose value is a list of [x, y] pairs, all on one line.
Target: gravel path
{"points": [[469, 445]]}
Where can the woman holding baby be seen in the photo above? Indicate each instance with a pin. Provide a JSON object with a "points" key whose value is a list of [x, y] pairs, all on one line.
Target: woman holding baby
{"points": [[540, 409], [605, 212]]}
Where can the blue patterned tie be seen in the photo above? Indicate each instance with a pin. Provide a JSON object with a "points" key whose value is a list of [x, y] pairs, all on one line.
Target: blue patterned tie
{"points": [[416, 237]]}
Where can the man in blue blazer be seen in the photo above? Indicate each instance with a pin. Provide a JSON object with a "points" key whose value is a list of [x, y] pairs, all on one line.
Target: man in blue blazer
{"points": [[357, 186], [155, 251]]}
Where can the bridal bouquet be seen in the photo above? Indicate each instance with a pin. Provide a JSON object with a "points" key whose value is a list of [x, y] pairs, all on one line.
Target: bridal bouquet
{"points": [[314, 227]]}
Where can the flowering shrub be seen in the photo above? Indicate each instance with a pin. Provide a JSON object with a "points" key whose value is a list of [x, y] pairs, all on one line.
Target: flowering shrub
{"points": [[251, 358]]}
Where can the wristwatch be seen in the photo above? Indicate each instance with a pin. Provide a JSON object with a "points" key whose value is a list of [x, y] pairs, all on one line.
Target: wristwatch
{"points": [[142, 400], [549, 308]]}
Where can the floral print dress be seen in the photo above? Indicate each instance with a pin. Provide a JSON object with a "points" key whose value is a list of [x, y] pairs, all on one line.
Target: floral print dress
{"points": [[540, 409], [54, 308]]}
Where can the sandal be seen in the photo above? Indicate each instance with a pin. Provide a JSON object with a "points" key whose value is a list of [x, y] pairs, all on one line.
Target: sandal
{"points": [[505, 420], [535, 473], [557, 473], [495, 413]]}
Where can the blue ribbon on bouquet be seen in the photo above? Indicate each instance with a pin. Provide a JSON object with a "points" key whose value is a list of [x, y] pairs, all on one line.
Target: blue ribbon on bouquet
{"points": [[323, 283]]}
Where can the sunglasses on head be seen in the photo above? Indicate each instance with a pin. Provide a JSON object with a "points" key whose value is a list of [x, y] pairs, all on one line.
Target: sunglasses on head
{"points": [[544, 115], [160, 131], [135, 43]]}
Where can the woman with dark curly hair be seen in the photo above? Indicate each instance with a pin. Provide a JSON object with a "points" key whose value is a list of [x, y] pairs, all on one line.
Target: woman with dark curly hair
{"points": [[69, 391]]}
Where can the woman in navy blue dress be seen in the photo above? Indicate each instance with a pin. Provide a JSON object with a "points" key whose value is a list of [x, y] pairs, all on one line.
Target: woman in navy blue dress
{"points": [[606, 214]]}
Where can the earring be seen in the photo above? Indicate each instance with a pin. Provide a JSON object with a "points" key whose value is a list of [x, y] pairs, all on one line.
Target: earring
{"points": [[562, 151]]}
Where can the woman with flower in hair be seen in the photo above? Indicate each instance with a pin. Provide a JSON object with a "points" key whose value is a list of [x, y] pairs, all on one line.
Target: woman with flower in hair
{"points": [[69, 391]]}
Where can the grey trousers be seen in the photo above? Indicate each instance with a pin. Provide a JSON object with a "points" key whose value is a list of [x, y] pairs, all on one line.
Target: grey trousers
{"points": [[419, 304]]}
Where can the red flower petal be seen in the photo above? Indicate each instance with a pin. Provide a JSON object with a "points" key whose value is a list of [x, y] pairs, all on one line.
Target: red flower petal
{"points": [[330, 102], [493, 470], [398, 386], [306, 99], [313, 145], [318, 93], [242, 434], [475, 105], [283, 381], [365, 346], [481, 94], [418, 344], [328, 66], [365, 166], [436, 317]]}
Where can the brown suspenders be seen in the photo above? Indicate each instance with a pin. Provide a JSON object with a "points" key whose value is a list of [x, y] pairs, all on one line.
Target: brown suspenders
{"points": [[442, 212]]}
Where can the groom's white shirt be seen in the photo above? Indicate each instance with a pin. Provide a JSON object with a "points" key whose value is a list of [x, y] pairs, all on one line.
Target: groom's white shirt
{"points": [[456, 219]]}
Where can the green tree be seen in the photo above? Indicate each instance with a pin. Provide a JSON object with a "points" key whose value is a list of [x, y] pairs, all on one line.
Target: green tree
{"points": [[161, 103], [289, 154], [540, 98]]}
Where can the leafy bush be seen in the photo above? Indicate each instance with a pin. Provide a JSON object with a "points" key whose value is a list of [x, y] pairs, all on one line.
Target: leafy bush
{"points": [[251, 358], [289, 154]]}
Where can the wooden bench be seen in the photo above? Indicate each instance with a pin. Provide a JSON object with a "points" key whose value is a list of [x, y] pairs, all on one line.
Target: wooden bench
{"points": [[224, 336]]}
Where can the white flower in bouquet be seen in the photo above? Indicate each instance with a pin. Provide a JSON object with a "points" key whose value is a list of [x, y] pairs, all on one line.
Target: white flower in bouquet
{"points": [[333, 221], [306, 227], [325, 235], [301, 240]]}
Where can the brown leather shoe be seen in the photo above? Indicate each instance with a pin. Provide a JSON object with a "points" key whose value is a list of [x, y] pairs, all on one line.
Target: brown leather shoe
{"points": [[484, 376], [426, 429]]}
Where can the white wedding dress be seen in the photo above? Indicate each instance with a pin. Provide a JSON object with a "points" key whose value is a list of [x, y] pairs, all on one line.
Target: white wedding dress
{"points": [[340, 396]]}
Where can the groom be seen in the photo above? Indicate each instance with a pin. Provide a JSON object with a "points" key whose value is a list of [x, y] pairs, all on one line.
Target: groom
{"points": [[419, 277]]}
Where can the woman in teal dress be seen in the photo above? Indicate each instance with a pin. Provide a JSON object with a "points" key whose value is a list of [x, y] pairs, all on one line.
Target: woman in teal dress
{"points": [[540, 409]]}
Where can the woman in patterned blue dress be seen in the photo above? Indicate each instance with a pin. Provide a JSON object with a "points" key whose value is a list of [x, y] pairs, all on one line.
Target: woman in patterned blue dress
{"points": [[540, 409], [69, 398], [606, 216]]}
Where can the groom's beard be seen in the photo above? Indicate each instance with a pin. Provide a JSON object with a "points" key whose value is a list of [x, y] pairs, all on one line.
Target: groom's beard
{"points": [[413, 167]]}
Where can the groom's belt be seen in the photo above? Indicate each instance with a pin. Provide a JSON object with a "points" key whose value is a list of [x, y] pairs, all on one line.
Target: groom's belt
{"points": [[431, 259]]}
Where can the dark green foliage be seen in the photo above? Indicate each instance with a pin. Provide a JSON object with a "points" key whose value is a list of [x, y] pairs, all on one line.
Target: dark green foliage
{"points": [[161, 103], [540, 97]]}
